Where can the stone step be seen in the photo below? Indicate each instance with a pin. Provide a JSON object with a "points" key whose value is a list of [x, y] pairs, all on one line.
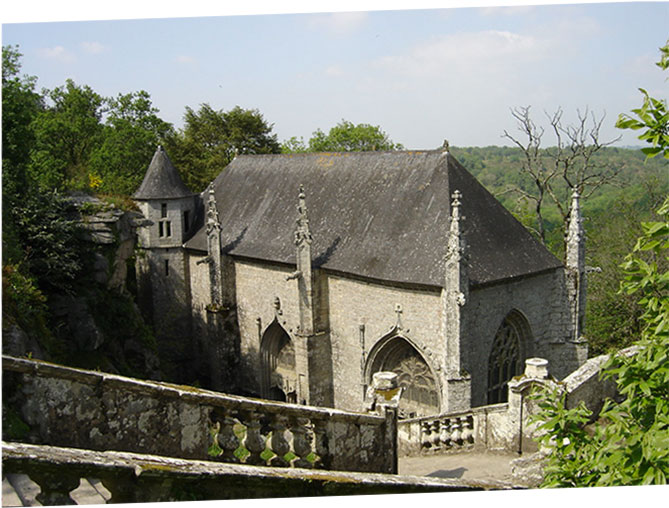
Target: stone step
{"points": [[9, 495]]}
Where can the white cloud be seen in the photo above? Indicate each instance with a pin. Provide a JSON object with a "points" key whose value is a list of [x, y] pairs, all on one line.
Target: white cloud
{"points": [[185, 59], [474, 51], [505, 11], [338, 23], [334, 71], [57, 53], [93, 48]]}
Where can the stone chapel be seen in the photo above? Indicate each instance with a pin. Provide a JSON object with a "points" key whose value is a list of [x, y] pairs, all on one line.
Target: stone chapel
{"points": [[296, 277]]}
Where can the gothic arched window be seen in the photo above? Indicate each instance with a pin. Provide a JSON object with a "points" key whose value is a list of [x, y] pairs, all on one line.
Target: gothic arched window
{"points": [[506, 356], [420, 396]]}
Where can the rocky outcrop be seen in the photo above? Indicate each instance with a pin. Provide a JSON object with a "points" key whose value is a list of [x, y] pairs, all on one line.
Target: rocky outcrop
{"points": [[97, 323], [113, 231]]}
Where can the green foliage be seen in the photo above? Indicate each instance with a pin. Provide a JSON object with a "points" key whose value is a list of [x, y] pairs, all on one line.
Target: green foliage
{"points": [[23, 303], [629, 444], [130, 136], [66, 133], [294, 145], [20, 105], [347, 137], [13, 427], [210, 139], [49, 240], [652, 117]]}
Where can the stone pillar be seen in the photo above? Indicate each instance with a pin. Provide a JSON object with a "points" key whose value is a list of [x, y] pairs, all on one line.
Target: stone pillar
{"points": [[521, 408], [214, 250], [385, 394], [575, 264], [454, 297]]}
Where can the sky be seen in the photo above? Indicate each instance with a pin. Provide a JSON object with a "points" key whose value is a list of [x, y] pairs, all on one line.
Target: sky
{"points": [[422, 75]]}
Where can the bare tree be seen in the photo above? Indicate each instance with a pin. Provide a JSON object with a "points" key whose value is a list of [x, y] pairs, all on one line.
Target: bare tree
{"points": [[558, 170]]}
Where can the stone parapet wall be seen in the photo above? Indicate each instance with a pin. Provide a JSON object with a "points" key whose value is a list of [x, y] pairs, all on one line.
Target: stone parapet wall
{"points": [[133, 478], [98, 411], [585, 384]]}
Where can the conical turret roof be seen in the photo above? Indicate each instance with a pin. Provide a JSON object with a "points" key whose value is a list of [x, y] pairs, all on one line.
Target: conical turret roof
{"points": [[162, 180]]}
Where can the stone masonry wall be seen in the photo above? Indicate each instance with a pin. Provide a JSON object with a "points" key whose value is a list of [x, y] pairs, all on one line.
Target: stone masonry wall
{"points": [[355, 302], [537, 298], [258, 286]]}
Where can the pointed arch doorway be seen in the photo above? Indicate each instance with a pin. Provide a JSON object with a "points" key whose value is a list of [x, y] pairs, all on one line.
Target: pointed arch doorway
{"points": [[396, 354], [509, 350], [277, 354]]}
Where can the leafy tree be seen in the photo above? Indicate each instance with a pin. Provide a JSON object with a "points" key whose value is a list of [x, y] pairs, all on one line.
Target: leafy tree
{"points": [[347, 137], [210, 139], [49, 239], [20, 105], [129, 137], [294, 145], [652, 116], [629, 444], [66, 135]]}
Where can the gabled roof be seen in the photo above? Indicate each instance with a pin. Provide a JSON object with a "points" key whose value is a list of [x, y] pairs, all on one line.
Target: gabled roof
{"points": [[383, 215], [162, 180]]}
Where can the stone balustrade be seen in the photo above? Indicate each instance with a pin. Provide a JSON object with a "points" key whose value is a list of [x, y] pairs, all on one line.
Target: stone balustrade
{"points": [[91, 410], [141, 478], [449, 432]]}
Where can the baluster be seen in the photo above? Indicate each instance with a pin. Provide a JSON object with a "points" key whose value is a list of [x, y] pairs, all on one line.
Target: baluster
{"points": [[446, 433], [456, 435], [467, 429], [278, 443], [301, 442], [436, 441], [227, 439], [254, 441], [425, 434], [322, 444], [55, 486]]}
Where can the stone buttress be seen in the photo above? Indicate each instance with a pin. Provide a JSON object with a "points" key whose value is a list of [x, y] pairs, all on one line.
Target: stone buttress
{"points": [[313, 356], [220, 346]]}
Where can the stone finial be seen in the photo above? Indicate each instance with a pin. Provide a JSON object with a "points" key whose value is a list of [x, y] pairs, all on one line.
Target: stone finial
{"points": [[213, 222], [384, 392], [536, 368], [302, 233], [398, 311], [575, 232], [456, 243], [445, 145]]}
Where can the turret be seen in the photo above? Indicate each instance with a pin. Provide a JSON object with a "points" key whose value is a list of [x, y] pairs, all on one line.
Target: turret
{"points": [[165, 200], [163, 288]]}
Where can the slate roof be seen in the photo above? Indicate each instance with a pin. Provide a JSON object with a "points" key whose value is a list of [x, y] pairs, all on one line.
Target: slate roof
{"points": [[162, 180], [383, 215]]}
